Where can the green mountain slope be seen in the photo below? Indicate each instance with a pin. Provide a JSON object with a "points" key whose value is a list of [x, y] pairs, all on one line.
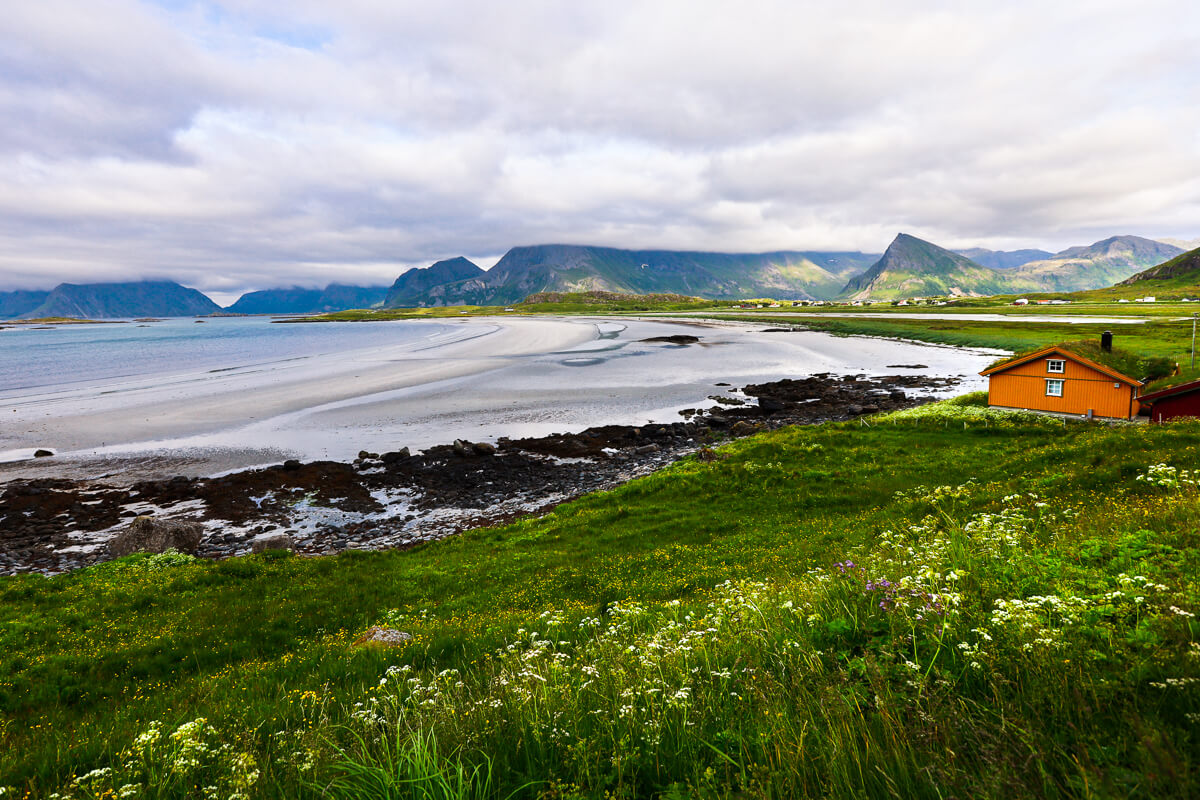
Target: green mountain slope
{"points": [[577, 268], [913, 267], [1091, 267], [1182, 271], [117, 300], [1174, 279]]}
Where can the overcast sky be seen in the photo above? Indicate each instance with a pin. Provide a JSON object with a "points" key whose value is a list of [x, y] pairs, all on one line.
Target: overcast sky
{"points": [[231, 146]]}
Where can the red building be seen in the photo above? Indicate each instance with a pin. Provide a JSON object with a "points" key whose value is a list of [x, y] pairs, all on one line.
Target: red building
{"points": [[1175, 401]]}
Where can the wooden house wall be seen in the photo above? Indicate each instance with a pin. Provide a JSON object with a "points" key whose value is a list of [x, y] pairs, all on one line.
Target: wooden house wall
{"points": [[1084, 388], [1186, 404]]}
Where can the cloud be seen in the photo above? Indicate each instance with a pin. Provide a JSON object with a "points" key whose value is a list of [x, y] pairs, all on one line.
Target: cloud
{"points": [[233, 147]]}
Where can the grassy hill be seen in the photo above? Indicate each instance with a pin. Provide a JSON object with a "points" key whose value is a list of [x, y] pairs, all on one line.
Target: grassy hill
{"points": [[949, 602]]}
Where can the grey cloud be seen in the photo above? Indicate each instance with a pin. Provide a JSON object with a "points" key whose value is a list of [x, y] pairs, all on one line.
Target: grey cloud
{"points": [[231, 147]]}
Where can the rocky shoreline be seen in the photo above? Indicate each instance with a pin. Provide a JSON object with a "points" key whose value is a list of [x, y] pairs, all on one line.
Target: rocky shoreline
{"points": [[399, 499]]}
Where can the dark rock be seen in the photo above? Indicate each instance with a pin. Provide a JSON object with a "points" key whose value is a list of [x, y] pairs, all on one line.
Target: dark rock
{"points": [[854, 410], [679, 338], [646, 448], [399, 455], [291, 465], [150, 535], [770, 405], [367, 456], [42, 453]]}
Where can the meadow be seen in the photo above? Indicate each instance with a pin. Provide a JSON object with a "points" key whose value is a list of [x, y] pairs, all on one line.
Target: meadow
{"points": [[948, 602]]}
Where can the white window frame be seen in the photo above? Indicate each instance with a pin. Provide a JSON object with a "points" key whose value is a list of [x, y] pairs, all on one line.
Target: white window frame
{"points": [[1052, 363], [1054, 383]]}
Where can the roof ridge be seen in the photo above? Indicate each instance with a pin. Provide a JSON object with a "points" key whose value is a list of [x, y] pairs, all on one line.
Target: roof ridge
{"points": [[1017, 361]]}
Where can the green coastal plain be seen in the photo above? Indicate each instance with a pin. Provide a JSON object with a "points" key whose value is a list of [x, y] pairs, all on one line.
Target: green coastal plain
{"points": [[948, 601]]}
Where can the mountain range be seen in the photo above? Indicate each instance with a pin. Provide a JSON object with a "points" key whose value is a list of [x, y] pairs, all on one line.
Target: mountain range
{"points": [[1003, 259], [910, 267], [579, 268], [297, 300]]}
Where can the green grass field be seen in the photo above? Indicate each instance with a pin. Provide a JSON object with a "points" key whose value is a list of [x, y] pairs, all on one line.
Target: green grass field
{"points": [[951, 602], [1166, 336]]}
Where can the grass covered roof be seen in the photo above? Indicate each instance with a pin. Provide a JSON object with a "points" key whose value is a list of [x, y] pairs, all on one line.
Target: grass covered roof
{"points": [[1133, 365]]}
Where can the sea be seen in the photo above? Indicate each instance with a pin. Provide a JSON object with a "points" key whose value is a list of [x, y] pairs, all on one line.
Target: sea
{"points": [[36, 357]]}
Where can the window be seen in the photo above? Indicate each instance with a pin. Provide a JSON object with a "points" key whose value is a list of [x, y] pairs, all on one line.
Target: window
{"points": [[1056, 365], [1053, 387]]}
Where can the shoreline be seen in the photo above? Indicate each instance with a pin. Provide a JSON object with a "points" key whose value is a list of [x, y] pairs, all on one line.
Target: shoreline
{"points": [[482, 379], [398, 499]]}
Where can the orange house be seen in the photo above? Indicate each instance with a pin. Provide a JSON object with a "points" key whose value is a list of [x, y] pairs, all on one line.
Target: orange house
{"points": [[1055, 379]]}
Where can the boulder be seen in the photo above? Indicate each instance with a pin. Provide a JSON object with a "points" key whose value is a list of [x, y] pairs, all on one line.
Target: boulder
{"points": [[382, 637], [291, 465], [271, 541], [771, 405], [742, 428], [150, 535], [399, 455], [42, 453], [854, 410]]}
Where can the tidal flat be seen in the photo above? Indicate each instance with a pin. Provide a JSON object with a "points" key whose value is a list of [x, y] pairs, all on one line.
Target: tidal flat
{"points": [[170, 399]]}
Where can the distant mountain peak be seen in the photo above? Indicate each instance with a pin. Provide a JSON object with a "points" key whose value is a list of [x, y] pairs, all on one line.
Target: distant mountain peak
{"points": [[416, 285], [1123, 246], [155, 298], [301, 300], [912, 267], [1003, 259]]}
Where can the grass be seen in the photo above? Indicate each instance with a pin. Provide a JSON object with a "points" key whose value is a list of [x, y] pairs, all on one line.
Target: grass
{"points": [[802, 617], [1159, 338], [543, 303]]}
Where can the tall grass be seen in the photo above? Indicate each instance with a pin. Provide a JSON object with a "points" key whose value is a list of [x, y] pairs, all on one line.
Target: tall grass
{"points": [[940, 605]]}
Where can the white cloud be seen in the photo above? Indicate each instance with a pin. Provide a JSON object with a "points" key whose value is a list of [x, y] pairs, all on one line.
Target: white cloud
{"points": [[229, 145]]}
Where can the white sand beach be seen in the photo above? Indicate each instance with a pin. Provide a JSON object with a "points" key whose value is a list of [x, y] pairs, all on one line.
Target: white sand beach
{"points": [[478, 378]]}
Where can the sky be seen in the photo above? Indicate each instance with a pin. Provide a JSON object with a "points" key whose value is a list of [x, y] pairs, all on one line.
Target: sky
{"points": [[234, 146]]}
